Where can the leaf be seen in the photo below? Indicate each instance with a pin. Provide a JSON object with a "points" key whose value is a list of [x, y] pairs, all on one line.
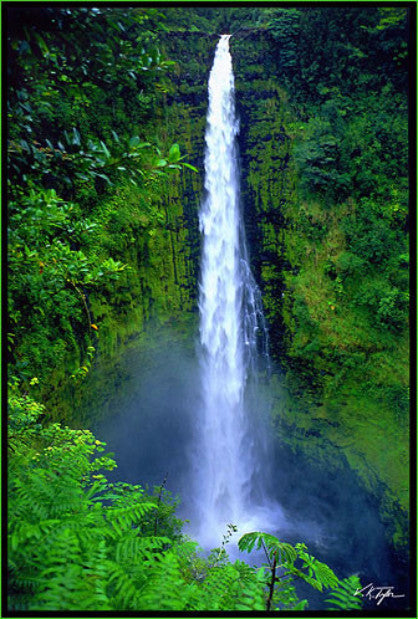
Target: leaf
{"points": [[344, 595], [191, 167], [115, 135], [134, 142], [282, 550], [42, 45], [105, 149], [104, 177], [76, 137], [174, 153]]}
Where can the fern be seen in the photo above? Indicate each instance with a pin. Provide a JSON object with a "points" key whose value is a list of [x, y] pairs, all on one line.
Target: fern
{"points": [[124, 517], [122, 591], [316, 574], [79, 543], [285, 596], [165, 588], [319, 574], [219, 587], [343, 595], [62, 575], [132, 547], [96, 575], [251, 595]]}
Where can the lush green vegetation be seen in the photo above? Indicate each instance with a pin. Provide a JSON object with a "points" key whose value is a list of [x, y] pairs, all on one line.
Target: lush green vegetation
{"points": [[78, 542], [103, 239], [90, 227], [346, 299]]}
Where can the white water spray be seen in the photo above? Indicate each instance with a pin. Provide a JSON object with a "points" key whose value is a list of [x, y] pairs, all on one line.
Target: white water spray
{"points": [[230, 322]]}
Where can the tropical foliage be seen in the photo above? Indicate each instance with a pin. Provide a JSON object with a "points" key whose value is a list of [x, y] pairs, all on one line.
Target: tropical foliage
{"points": [[77, 542], [346, 299], [81, 86]]}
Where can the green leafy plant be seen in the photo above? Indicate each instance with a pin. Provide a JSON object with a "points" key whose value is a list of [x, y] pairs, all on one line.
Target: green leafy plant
{"points": [[284, 563], [77, 542], [344, 596]]}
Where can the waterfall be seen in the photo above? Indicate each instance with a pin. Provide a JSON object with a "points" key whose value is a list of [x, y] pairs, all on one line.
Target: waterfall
{"points": [[231, 321]]}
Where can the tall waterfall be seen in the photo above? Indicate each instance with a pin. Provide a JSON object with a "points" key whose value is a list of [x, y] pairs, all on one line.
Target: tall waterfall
{"points": [[230, 320]]}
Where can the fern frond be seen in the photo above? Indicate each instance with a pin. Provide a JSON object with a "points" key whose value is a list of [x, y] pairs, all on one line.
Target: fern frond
{"points": [[134, 548], [344, 594], [294, 571], [285, 596], [95, 576], [220, 587], [324, 574], [252, 588], [122, 518], [165, 588], [121, 589]]}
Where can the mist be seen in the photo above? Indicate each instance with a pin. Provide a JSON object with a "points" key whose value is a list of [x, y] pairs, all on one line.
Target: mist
{"points": [[149, 424]]}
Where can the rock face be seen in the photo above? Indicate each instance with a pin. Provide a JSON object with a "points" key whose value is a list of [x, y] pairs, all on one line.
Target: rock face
{"points": [[264, 150]]}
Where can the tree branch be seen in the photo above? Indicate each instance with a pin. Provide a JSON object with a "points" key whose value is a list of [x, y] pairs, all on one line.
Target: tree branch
{"points": [[159, 502], [273, 578]]}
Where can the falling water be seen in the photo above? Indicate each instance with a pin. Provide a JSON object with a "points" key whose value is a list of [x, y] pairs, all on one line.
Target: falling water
{"points": [[231, 320]]}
